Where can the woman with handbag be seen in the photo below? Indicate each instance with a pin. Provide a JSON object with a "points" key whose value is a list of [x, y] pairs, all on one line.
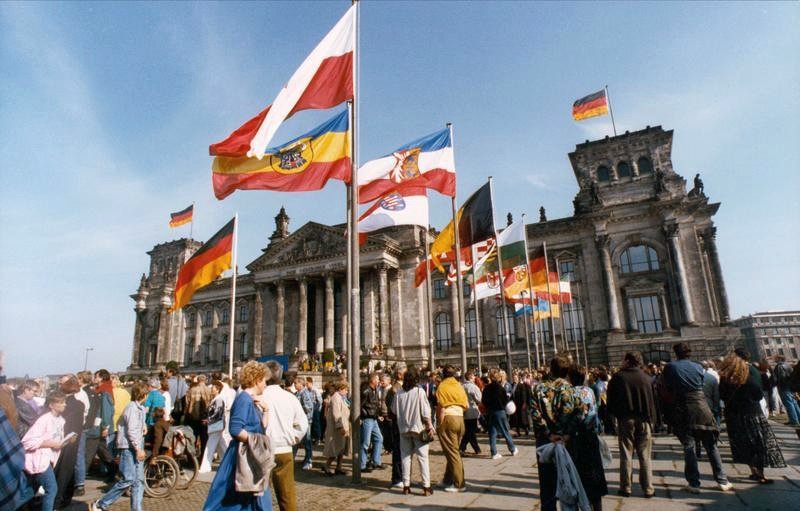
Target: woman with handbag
{"points": [[215, 422], [495, 399], [413, 412]]}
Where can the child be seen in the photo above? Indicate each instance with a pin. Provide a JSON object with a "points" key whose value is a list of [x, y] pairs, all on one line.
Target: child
{"points": [[130, 443], [42, 445]]}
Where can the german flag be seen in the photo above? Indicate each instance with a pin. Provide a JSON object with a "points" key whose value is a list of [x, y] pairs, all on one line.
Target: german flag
{"points": [[182, 217], [204, 266], [590, 106]]}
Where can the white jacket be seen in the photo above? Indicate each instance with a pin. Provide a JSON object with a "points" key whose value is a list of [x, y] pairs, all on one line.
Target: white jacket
{"points": [[287, 420]]}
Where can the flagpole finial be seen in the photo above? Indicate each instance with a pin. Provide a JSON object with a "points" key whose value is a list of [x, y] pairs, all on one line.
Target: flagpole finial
{"points": [[449, 124]]}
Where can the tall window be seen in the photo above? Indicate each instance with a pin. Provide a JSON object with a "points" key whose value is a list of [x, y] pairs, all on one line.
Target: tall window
{"points": [[544, 331], [209, 318], [603, 173], [206, 350], [645, 166], [226, 317], [638, 258], [245, 350], [224, 347], [467, 287], [188, 349], [501, 327], [623, 169], [472, 329], [648, 314], [572, 315], [243, 313], [439, 289], [190, 321], [441, 325], [567, 269]]}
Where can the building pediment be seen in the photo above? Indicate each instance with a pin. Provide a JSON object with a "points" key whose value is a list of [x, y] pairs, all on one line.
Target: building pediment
{"points": [[312, 242]]}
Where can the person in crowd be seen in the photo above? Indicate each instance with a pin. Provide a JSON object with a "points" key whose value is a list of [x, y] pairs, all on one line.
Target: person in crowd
{"points": [[287, 425], [15, 489], [249, 415], [121, 399], [782, 375], [130, 444], [43, 444], [161, 426], [307, 402], [163, 388], [371, 416], [177, 393], [101, 413], [494, 398], [428, 384], [600, 386], [155, 399], [391, 393], [337, 428], [632, 403], [711, 392], [556, 412], [90, 407], [692, 417], [215, 425], [197, 399], [451, 403], [413, 412], [73, 423], [27, 410], [471, 414], [316, 424], [521, 394], [383, 387], [752, 440]]}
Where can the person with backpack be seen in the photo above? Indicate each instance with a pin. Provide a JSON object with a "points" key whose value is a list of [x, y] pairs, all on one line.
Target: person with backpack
{"points": [[782, 375]]}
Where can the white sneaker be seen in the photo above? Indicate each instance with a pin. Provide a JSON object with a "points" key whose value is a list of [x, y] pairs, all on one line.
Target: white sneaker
{"points": [[725, 487], [692, 489], [398, 485], [96, 507], [497, 456], [515, 451], [453, 489], [308, 466]]}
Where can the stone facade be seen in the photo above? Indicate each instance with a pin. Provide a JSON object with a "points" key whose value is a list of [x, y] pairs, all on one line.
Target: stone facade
{"points": [[640, 251], [768, 334]]}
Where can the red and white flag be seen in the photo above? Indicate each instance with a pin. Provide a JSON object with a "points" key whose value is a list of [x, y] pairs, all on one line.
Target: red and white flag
{"points": [[323, 80], [403, 206]]}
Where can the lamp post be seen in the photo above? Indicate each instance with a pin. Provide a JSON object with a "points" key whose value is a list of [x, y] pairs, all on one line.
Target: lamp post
{"points": [[86, 359]]}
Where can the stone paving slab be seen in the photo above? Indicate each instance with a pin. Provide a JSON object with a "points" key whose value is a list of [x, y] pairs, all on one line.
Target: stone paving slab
{"points": [[511, 483]]}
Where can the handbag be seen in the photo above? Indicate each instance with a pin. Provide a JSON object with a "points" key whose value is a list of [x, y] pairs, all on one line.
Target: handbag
{"points": [[425, 436], [511, 408], [215, 427]]}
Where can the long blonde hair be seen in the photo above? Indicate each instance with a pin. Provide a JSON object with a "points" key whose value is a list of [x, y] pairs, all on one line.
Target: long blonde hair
{"points": [[734, 370]]}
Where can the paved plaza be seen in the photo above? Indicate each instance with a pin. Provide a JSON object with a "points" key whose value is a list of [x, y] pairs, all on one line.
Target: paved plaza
{"points": [[511, 483]]}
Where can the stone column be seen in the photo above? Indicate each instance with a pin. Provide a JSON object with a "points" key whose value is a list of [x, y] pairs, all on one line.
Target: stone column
{"points": [[328, 312], [672, 231], [280, 305], [633, 324], [258, 320], [711, 293], [709, 237], [368, 338], [198, 338], [302, 326], [319, 319], [602, 241], [138, 334], [662, 301], [383, 305]]}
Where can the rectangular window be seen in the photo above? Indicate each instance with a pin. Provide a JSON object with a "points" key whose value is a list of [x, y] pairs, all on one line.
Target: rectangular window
{"points": [[188, 349], [572, 315], [243, 313], [567, 269], [472, 329], [769, 352], [648, 314], [226, 317], [439, 289], [467, 287], [794, 352], [245, 346], [224, 348], [191, 320], [209, 318]]}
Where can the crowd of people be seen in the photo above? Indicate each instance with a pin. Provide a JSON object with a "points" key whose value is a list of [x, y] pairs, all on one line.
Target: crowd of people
{"points": [[253, 428]]}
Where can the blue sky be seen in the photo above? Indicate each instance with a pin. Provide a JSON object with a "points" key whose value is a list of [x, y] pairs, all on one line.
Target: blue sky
{"points": [[107, 110]]}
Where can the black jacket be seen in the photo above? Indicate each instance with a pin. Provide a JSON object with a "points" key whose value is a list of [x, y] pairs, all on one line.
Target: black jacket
{"points": [[630, 395], [494, 397], [370, 403]]}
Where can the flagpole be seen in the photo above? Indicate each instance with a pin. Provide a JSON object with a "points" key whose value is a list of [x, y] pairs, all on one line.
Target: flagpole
{"points": [[527, 329], [459, 280], [509, 368], [428, 303], [233, 293], [610, 111], [530, 297], [550, 299], [530, 294], [562, 317], [476, 303], [355, 265]]}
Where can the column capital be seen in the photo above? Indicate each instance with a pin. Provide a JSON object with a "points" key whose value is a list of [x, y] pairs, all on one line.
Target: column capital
{"points": [[602, 239], [671, 230], [382, 267]]}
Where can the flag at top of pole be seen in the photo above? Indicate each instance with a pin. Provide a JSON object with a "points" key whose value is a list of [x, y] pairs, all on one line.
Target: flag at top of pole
{"points": [[323, 80], [593, 105]]}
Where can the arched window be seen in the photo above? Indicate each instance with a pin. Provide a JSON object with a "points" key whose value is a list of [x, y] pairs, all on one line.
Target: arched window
{"points": [[441, 325], [623, 169], [638, 258], [645, 165], [603, 173], [472, 329], [501, 327]]}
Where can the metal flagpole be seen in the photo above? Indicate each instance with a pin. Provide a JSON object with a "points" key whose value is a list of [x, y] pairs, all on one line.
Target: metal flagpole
{"points": [[563, 318], [355, 265], [509, 368], [527, 329], [530, 294], [233, 293], [536, 344], [479, 335], [459, 279], [550, 299], [429, 303], [477, 304], [610, 111]]}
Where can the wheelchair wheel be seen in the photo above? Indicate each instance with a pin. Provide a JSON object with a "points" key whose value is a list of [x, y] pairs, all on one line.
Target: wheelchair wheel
{"points": [[187, 470], [161, 473]]}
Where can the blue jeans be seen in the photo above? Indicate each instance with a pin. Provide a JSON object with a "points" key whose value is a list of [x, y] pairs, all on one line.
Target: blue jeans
{"points": [[498, 423], [789, 402], [47, 480], [690, 468], [308, 445], [371, 431], [80, 461], [132, 472]]}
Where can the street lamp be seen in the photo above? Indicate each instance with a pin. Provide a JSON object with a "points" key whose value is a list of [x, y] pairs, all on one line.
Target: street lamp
{"points": [[86, 359]]}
